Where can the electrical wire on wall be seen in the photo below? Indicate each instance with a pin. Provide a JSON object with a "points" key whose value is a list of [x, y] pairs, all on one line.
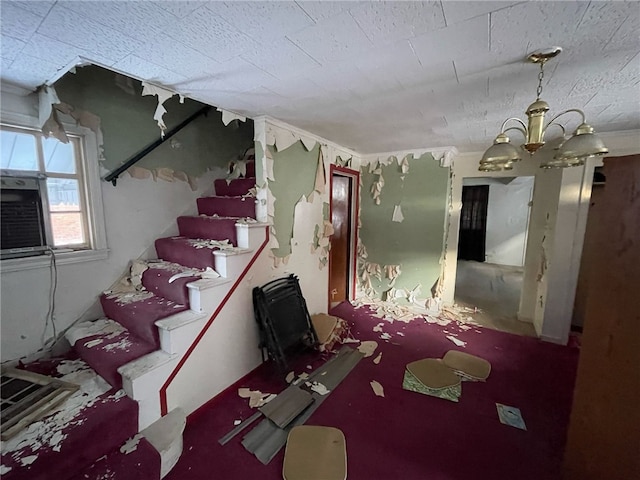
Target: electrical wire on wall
{"points": [[50, 318]]}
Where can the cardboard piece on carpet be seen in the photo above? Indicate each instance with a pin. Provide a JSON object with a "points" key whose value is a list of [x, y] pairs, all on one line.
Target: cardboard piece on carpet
{"points": [[468, 366], [315, 453], [431, 376], [329, 329]]}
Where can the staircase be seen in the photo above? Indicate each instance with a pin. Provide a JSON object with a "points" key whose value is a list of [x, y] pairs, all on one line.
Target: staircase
{"points": [[149, 327]]}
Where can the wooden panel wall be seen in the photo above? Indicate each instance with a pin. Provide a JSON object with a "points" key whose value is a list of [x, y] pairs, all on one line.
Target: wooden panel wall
{"points": [[604, 431]]}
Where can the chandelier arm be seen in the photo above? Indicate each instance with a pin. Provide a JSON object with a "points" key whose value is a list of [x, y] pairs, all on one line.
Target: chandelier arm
{"points": [[584, 119], [515, 119], [518, 129], [564, 131]]}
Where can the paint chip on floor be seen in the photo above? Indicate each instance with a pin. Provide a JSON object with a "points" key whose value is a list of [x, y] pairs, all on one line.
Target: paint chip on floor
{"points": [[368, 347], [378, 358], [377, 388], [290, 376], [457, 342], [318, 387], [131, 445], [237, 422]]}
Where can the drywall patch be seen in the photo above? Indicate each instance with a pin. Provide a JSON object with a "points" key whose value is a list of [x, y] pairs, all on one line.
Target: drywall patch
{"points": [[294, 172], [421, 186]]}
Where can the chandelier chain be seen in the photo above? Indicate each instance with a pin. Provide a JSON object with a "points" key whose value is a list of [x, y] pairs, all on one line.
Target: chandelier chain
{"points": [[540, 78]]}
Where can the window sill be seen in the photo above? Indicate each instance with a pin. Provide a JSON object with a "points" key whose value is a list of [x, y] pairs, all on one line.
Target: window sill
{"points": [[44, 261]]}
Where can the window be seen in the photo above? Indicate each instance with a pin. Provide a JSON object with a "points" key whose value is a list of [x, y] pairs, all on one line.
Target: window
{"points": [[63, 182], [27, 152]]}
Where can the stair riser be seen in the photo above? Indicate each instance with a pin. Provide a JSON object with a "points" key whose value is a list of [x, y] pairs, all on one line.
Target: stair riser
{"points": [[227, 206], [208, 228], [147, 384], [236, 188], [231, 266], [177, 341], [250, 236]]}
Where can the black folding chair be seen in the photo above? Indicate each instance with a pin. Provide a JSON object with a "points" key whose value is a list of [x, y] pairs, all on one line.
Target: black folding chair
{"points": [[283, 319]]}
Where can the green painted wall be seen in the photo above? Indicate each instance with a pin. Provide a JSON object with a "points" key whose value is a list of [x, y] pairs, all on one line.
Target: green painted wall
{"points": [[416, 243], [128, 125], [294, 170]]}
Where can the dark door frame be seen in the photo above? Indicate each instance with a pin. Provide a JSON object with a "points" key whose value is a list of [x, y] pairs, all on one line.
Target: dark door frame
{"points": [[354, 200]]}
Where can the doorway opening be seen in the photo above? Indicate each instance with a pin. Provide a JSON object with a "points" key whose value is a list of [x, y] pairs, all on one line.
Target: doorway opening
{"points": [[343, 211], [494, 224]]}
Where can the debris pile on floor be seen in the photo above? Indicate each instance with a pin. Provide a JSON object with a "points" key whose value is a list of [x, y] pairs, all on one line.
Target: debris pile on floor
{"points": [[443, 378], [293, 406], [391, 311]]}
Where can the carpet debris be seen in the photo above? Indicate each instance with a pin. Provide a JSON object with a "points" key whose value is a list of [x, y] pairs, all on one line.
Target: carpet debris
{"points": [[256, 397], [131, 445], [377, 388], [510, 416], [458, 343], [318, 387], [368, 347]]}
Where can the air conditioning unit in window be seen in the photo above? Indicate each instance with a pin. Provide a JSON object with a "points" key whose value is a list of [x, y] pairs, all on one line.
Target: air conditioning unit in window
{"points": [[22, 217]]}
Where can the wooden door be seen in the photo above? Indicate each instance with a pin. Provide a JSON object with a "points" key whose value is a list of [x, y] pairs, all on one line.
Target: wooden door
{"points": [[473, 223], [339, 255]]}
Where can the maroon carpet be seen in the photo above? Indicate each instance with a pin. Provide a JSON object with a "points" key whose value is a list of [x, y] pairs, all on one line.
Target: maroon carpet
{"points": [[406, 435]]}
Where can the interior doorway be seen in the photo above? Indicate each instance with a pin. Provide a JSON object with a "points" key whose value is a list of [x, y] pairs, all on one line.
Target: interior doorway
{"points": [[473, 223], [343, 211], [494, 225]]}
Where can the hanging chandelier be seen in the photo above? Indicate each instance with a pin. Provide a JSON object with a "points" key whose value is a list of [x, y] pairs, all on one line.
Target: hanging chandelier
{"points": [[584, 143]]}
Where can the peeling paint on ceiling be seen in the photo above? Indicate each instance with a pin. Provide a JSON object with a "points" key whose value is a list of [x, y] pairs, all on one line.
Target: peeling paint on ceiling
{"points": [[372, 76]]}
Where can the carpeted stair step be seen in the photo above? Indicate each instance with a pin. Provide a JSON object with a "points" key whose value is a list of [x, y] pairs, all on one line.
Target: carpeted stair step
{"points": [[138, 312], [156, 280], [227, 206], [136, 458], [89, 424], [214, 228], [106, 345], [190, 252], [251, 169], [234, 188]]}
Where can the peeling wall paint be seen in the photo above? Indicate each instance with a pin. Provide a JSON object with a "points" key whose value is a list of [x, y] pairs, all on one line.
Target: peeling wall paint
{"points": [[409, 251], [128, 125], [294, 170]]}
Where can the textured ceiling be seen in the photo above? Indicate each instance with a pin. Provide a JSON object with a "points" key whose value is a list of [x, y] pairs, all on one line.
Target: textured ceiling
{"points": [[373, 76]]}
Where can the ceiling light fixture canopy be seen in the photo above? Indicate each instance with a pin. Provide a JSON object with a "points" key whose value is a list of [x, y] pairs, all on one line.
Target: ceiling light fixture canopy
{"points": [[570, 153]]}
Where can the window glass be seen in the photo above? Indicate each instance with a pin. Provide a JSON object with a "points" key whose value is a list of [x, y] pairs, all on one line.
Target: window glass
{"points": [[67, 228], [64, 195], [58, 157], [19, 151]]}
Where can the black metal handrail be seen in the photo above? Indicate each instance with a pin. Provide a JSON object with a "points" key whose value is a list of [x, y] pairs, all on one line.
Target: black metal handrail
{"points": [[113, 176]]}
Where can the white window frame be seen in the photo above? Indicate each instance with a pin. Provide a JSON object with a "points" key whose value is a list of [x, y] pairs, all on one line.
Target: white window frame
{"points": [[95, 228]]}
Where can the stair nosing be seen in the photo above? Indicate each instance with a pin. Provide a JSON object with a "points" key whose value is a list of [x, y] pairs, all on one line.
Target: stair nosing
{"points": [[162, 356], [207, 283], [173, 322]]}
